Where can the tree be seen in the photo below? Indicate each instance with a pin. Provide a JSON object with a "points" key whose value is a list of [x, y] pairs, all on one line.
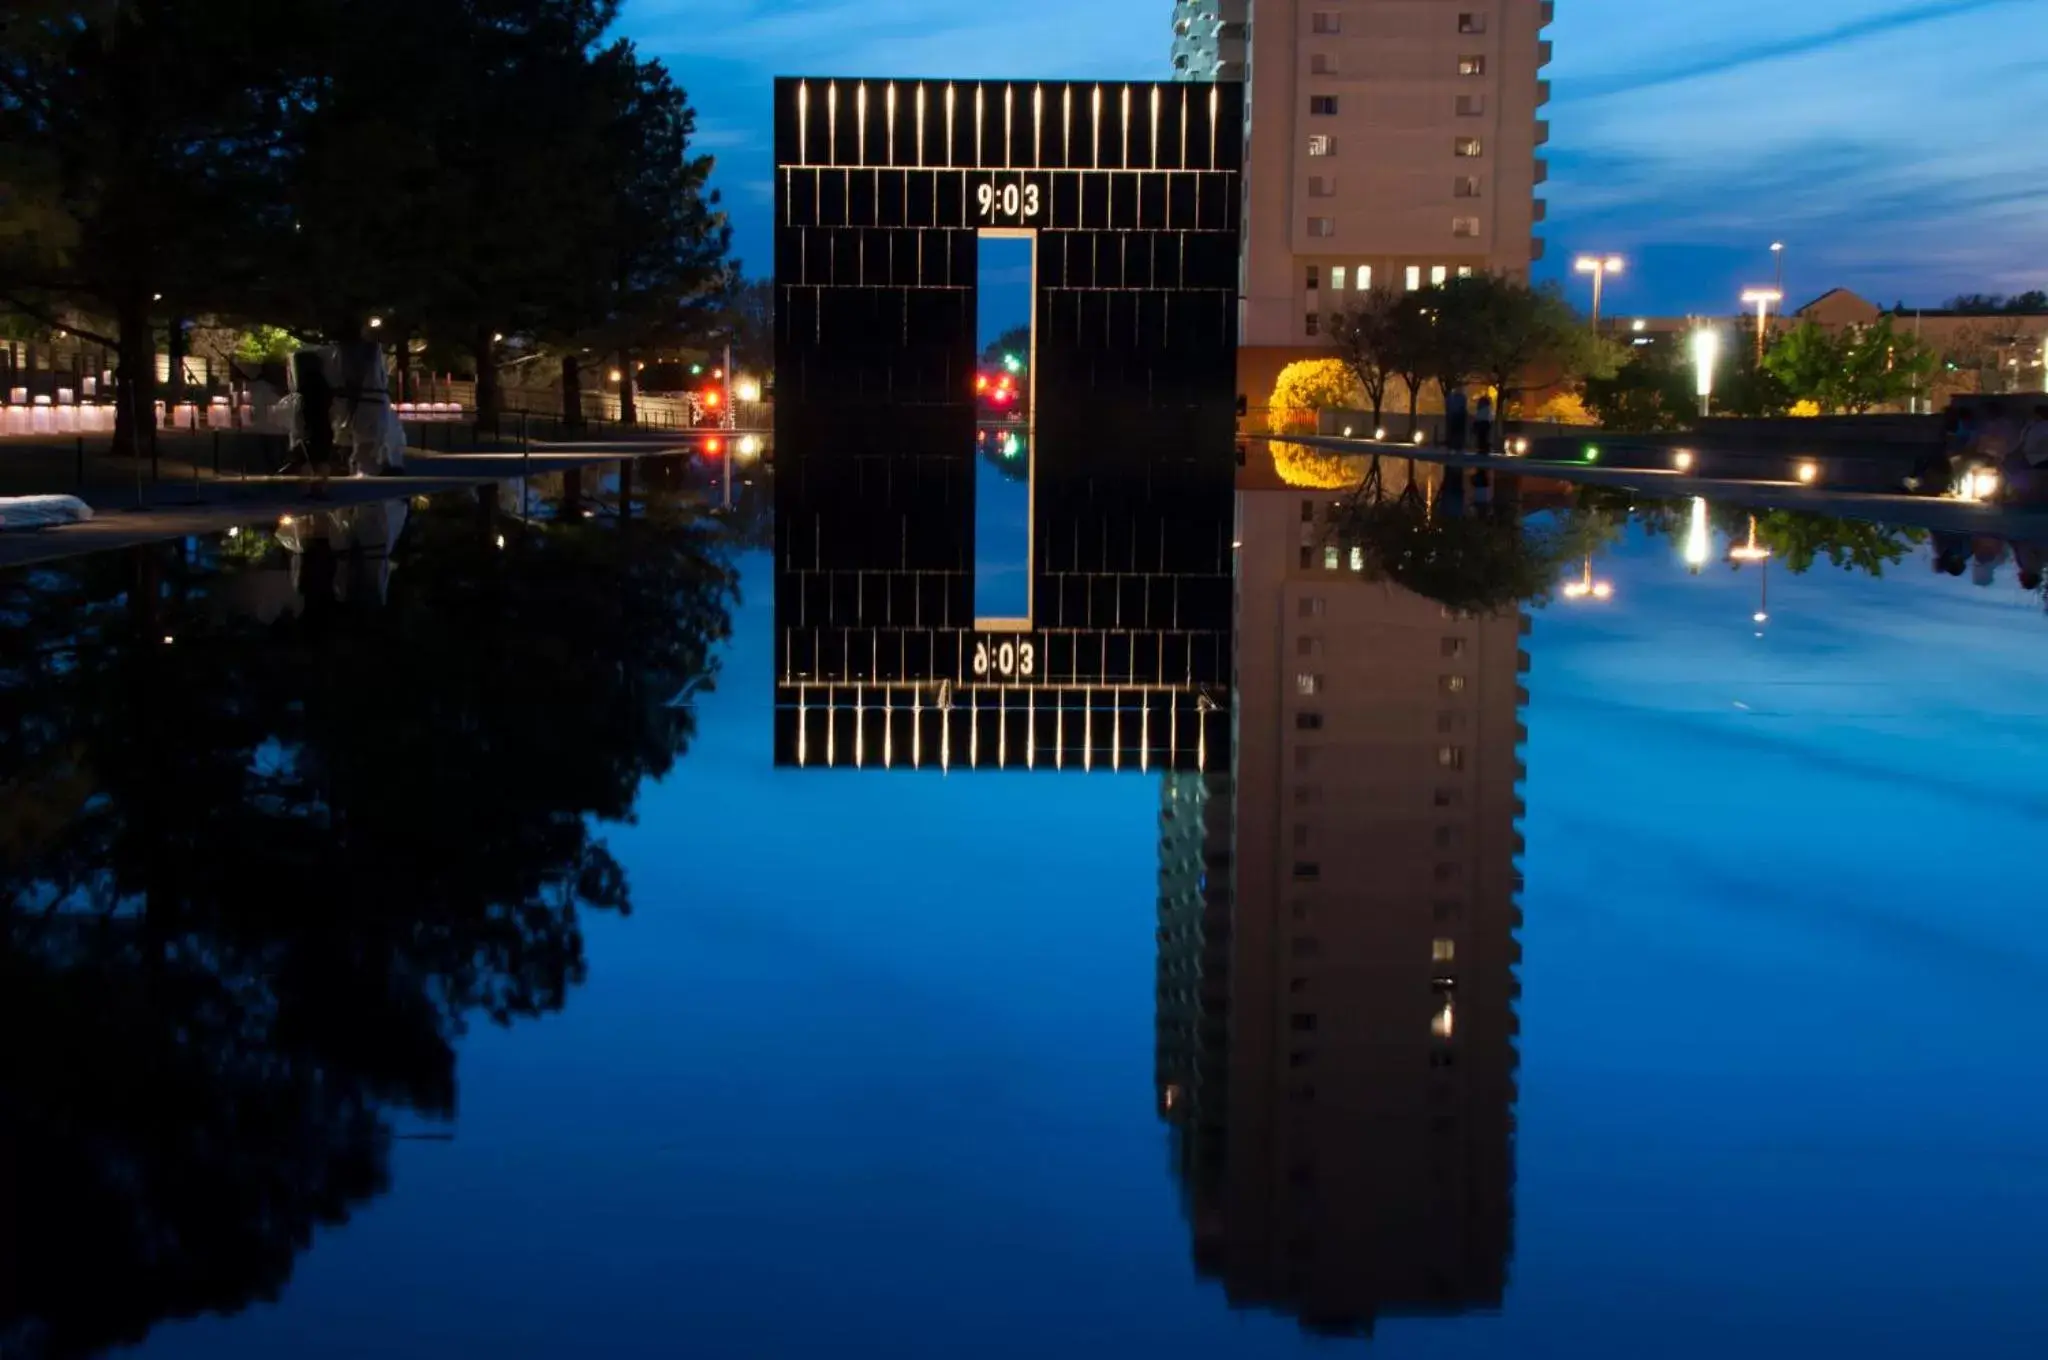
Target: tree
{"points": [[1527, 337], [1308, 386], [1457, 314], [1853, 370], [1368, 338], [1652, 391]]}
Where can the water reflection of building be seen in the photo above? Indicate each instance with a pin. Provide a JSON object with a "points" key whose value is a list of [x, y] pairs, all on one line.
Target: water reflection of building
{"points": [[1340, 1067]]}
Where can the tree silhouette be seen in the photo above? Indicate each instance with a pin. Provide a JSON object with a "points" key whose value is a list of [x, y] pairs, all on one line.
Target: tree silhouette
{"points": [[271, 860]]}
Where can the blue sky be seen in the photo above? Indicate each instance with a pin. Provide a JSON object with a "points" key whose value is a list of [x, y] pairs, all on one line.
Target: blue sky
{"points": [[1894, 144]]}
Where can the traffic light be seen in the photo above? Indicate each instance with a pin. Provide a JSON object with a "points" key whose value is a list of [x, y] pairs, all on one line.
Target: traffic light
{"points": [[696, 370], [714, 445], [712, 399]]}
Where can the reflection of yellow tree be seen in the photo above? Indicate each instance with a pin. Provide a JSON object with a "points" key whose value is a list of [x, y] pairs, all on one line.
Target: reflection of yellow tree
{"points": [[1313, 469]]}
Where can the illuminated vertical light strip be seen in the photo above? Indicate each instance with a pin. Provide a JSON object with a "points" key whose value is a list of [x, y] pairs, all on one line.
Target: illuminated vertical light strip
{"points": [[1059, 735], [1201, 741], [889, 102], [920, 125], [1215, 116], [1145, 730], [860, 141], [945, 711], [1031, 730], [1037, 127], [803, 122], [1009, 126], [1173, 730], [1095, 128], [949, 125], [1155, 127], [973, 730], [888, 729], [1067, 127], [917, 723], [831, 729], [803, 743], [831, 156], [1183, 132], [1116, 733], [1003, 735], [1126, 102], [980, 107], [860, 728], [1087, 729]]}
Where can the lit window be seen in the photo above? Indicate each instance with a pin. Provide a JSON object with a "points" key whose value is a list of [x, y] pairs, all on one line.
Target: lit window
{"points": [[1322, 145], [1451, 757], [1464, 226], [1466, 186], [1363, 277], [1337, 278], [1439, 274], [1307, 685], [1472, 66], [1471, 105], [1357, 558], [1414, 277], [1470, 23], [1326, 21], [1442, 950], [1453, 684], [1464, 271], [1468, 147], [1441, 1026], [1330, 558], [1322, 226], [1322, 105]]}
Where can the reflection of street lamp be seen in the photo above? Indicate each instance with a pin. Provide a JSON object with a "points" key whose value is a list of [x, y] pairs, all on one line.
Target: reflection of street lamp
{"points": [[1753, 551], [1761, 299], [1599, 266], [1706, 351], [1586, 588], [1699, 537]]}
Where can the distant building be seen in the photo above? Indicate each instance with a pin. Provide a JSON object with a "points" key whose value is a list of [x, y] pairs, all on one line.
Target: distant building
{"points": [[1389, 143], [1342, 1076]]}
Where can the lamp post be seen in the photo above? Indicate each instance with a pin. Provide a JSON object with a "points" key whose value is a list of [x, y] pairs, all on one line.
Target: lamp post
{"points": [[1599, 266], [1753, 551], [1778, 255], [1761, 299], [1706, 352], [1586, 588]]}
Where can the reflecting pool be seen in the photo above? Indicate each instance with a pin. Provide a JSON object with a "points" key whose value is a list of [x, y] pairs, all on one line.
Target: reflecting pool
{"points": [[423, 942]]}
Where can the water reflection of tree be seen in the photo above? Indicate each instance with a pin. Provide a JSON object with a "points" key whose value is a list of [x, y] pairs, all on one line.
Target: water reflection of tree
{"points": [[259, 877], [1471, 553], [1798, 539], [1013, 467]]}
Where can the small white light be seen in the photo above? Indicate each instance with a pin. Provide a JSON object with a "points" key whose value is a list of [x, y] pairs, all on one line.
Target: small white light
{"points": [[749, 445], [1602, 590], [501, 540], [375, 322], [1683, 460], [234, 533], [1809, 473], [1347, 431], [1380, 433], [1762, 617], [496, 336], [168, 639], [747, 389], [1420, 437]]}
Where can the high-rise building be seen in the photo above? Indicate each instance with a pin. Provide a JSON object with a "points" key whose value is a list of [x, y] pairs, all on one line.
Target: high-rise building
{"points": [[1389, 143], [1209, 39], [1347, 1129]]}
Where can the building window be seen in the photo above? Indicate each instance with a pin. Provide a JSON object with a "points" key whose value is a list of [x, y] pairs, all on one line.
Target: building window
{"points": [[1471, 105], [1307, 871], [1322, 144], [1322, 105], [1302, 1022], [1307, 795], [1330, 558], [1451, 757], [1307, 555], [1312, 607], [1322, 186], [1447, 723], [1313, 277], [1308, 686], [1301, 843], [1453, 647], [1448, 798], [1474, 65], [1467, 186], [1304, 756], [1327, 21], [1322, 226], [1439, 275], [1448, 837], [1464, 271], [1465, 226], [1336, 278], [1414, 277], [1308, 646], [1322, 64], [1468, 147], [1308, 722], [1357, 558], [1363, 277], [1471, 23], [1312, 324], [1452, 684], [1442, 950], [1307, 947]]}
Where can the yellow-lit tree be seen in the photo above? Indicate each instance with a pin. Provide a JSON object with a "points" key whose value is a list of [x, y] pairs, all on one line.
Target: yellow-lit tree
{"points": [[1308, 386]]}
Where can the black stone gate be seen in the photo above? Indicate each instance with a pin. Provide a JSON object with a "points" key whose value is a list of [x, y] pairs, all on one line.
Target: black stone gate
{"points": [[882, 191]]}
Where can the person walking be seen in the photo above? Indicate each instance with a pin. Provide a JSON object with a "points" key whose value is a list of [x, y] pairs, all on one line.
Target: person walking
{"points": [[1456, 413], [1482, 422]]}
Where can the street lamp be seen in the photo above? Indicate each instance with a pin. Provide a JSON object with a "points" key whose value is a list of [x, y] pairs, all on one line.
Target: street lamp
{"points": [[1761, 299], [1706, 351], [1778, 255], [747, 389], [1599, 266]]}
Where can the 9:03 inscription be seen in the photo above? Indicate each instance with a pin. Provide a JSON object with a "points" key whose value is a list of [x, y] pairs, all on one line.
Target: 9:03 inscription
{"points": [[1012, 657], [1007, 202]]}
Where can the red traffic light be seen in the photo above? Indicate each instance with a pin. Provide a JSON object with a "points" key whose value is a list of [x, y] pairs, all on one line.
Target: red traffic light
{"points": [[981, 382], [711, 399], [713, 444]]}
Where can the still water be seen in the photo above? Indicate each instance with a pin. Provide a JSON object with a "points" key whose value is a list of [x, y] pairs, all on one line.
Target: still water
{"points": [[426, 957]]}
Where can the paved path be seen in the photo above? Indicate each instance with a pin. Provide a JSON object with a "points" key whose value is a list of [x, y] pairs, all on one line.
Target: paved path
{"points": [[1939, 513]]}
